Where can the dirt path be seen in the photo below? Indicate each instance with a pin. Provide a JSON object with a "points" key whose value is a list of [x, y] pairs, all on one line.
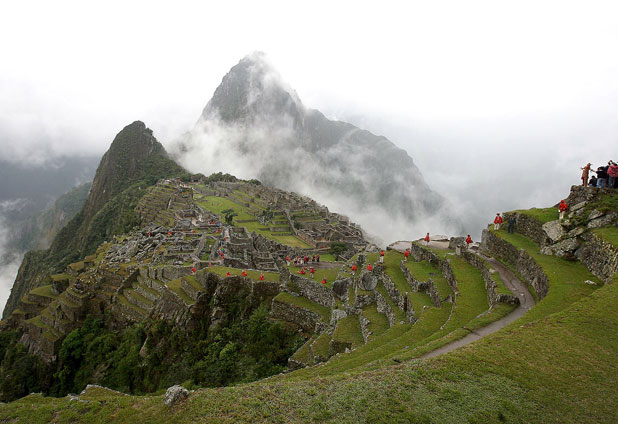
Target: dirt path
{"points": [[518, 288]]}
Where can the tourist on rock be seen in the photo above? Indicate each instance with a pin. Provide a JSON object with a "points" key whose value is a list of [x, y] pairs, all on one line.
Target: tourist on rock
{"points": [[261, 276], [593, 181], [511, 227], [427, 239], [602, 176], [585, 171], [406, 254], [369, 267], [244, 273], [468, 241], [562, 208], [612, 173], [498, 221], [381, 256], [324, 280]]}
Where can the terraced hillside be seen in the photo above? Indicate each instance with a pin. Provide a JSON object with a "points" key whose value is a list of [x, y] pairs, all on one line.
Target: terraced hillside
{"points": [[370, 331]]}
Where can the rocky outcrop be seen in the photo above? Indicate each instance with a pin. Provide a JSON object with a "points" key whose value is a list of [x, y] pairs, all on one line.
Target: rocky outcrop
{"points": [[306, 320], [600, 257], [530, 271], [174, 395], [314, 291]]}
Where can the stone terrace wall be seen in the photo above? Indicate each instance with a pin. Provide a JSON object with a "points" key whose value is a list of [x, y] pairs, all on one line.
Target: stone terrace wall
{"points": [[523, 263], [529, 227], [307, 320], [385, 308], [421, 254], [493, 297], [599, 257], [314, 291]]}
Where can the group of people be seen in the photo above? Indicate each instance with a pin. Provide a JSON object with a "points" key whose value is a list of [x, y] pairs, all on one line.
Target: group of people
{"points": [[499, 220], [606, 176], [303, 260]]}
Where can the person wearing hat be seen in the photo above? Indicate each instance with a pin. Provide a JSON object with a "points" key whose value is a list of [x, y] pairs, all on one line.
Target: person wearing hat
{"points": [[585, 171], [497, 221]]}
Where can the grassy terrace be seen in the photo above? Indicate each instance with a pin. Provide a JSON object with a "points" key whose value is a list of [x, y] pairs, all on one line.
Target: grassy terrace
{"points": [[566, 279], [559, 369], [378, 323], [251, 274], [304, 303], [542, 215], [320, 347], [349, 330], [329, 273], [392, 261], [174, 286], [424, 271], [45, 291]]}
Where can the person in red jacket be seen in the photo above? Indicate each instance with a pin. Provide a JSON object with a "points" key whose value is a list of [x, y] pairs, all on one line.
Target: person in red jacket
{"points": [[287, 259], [193, 270], [261, 276], [468, 241], [323, 280], [369, 267], [406, 254], [427, 239], [354, 267], [381, 256], [562, 208], [498, 221], [312, 271], [228, 274], [244, 273]]}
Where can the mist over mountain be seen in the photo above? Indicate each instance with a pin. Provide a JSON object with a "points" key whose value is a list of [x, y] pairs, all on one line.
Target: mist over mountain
{"points": [[255, 126]]}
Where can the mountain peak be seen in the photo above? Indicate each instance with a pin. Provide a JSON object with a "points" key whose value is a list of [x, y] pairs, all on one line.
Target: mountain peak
{"points": [[253, 88]]}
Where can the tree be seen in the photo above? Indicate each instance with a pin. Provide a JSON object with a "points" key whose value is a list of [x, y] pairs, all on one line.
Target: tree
{"points": [[337, 248]]}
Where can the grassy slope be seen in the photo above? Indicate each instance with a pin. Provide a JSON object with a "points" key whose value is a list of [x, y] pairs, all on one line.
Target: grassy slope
{"points": [[558, 369]]}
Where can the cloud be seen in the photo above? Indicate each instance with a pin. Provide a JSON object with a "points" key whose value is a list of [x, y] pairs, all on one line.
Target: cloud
{"points": [[10, 260]]}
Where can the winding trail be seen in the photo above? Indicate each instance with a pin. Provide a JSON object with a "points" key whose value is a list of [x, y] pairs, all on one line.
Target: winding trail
{"points": [[516, 286]]}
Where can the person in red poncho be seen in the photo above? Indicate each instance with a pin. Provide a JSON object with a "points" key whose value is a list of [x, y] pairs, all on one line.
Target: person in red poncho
{"points": [[562, 208], [498, 221], [369, 267], [287, 259], [354, 267], [244, 273], [323, 280], [406, 254], [193, 270], [312, 271], [381, 256], [228, 274], [468, 241], [427, 239], [261, 276], [302, 271]]}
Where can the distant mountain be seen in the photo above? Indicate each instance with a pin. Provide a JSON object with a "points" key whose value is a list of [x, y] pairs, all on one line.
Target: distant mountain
{"points": [[255, 126], [134, 161]]}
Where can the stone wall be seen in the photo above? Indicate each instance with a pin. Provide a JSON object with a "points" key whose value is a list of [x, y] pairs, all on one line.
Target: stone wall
{"points": [[530, 271], [306, 320], [599, 257], [421, 254], [529, 227], [493, 297], [384, 308], [364, 325], [314, 291]]}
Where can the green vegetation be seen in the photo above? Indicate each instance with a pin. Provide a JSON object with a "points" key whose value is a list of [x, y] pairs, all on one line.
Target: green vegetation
{"points": [[304, 303], [45, 291], [424, 271], [348, 330], [252, 274], [392, 261], [329, 273], [176, 287], [378, 323], [542, 215]]}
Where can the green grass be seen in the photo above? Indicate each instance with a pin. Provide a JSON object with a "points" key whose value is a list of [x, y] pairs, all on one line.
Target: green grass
{"points": [[321, 345], [566, 278], [349, 330], [45, 291], [193, 282], [304, 303], [251, 274], [330, 274], [174, 286], [392, 261], [424, 271], [500, 286], [608, 235], [378, 323], [542, 215], [60, 277]]}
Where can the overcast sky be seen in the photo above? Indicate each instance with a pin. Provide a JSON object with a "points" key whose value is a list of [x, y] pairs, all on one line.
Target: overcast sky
{"points": [[499, 103]]}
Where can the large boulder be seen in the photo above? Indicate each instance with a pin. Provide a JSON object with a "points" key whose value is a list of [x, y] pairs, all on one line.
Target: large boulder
{"points": [[554, 230], [368, 281], [175, 395]]}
